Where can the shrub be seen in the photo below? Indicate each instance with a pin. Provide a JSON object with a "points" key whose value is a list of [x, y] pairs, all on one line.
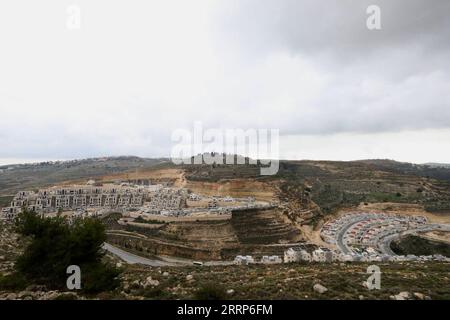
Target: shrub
{"points": [[56, 244], [14, 282], [155, 293], [99, 277], [210, 291]]}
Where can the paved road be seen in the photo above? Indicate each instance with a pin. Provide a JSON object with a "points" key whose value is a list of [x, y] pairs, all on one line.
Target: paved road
{"points": [[132, 258], [385, 244], [340, 237]]}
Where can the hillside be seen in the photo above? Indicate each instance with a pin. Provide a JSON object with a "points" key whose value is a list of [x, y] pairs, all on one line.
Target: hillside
{"points": [[336, 184], [307, 189], [290, 281], [26, 176], [428, 170], [427, 280], [247, 231], [305, 193]]}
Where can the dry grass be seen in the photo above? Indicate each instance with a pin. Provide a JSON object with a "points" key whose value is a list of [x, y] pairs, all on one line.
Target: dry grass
{"points": [[296, 281]]}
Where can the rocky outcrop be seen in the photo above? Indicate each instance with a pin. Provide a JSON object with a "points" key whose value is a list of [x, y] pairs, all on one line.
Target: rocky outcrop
{"points": [[266, 226]]}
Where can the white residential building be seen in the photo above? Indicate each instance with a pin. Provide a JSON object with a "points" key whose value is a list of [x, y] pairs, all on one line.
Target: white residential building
{"points": [[243, 260], [291, 255], [271, 259], [318, 255]]}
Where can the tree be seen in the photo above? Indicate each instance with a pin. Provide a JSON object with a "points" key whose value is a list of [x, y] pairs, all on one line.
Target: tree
{"points": [[56, 244]]}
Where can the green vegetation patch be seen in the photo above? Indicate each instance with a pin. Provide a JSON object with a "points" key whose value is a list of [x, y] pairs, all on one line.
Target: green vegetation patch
{"points": [[420, 246], [56, 244]]}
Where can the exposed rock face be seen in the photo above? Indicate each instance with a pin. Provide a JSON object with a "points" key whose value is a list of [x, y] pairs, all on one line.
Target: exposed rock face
{"points": [[296, 202], [152, 247], [263, 227], [236, 187], [248, 231]]}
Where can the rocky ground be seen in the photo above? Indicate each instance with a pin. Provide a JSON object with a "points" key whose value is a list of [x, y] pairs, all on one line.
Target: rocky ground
{"points": [[10, 245], [399, 281], [39, 293]]}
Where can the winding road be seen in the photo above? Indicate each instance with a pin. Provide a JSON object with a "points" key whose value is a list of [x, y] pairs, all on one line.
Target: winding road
{"points": [[160, 261], [340, 237], [131, 258]]}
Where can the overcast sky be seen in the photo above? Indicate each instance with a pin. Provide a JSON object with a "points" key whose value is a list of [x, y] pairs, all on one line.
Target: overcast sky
{"points": [[137, 70]]}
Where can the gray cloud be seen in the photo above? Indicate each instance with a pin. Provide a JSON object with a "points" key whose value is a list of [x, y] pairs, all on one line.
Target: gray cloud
{"points": [[133, 73], [392, 79], [334, 27]]}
